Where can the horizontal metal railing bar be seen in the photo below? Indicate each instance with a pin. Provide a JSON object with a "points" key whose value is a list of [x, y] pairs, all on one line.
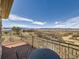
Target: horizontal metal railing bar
{"points": [[59, 41], [70, 45], [61, 45]]}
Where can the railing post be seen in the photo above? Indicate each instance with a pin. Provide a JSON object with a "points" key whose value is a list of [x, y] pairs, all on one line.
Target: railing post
{"points": [[59, 47], [76, 55], [21, 35], [65, 52], [68, 50], [32, 40]]}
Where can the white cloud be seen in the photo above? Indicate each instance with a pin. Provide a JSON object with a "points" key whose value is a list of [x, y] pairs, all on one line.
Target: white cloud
{"points": [[69, 23], [15, 17], [39, 23], [57, 22], [14, 24], [18, 25]]}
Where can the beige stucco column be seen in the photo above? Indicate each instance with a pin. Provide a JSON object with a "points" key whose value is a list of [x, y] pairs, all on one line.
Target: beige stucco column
{"points": [[5, 7], [0, 29]]}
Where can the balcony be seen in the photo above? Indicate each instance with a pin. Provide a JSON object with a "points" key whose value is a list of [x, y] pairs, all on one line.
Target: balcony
{"points": [[20, 46]]}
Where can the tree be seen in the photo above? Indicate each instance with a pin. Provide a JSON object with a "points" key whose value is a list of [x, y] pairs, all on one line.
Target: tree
{"points": [[16, 30], [6, 32]]}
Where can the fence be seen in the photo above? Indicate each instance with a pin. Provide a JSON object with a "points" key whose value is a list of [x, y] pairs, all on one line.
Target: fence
{"points": [[65, 50]]}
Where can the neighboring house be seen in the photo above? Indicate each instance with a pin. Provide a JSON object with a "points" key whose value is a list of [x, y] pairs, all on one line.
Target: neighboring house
{"points": [[5, 7]]}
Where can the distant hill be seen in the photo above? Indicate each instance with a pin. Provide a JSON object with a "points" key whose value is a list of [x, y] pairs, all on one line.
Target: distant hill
{"points": [[48, 29], [60, 29]]}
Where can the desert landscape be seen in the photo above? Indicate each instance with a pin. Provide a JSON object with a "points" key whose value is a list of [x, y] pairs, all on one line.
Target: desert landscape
{"points": [[63, 41]]}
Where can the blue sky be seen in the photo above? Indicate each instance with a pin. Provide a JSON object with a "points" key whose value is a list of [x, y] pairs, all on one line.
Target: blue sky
{"points": [[44, 14]]}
